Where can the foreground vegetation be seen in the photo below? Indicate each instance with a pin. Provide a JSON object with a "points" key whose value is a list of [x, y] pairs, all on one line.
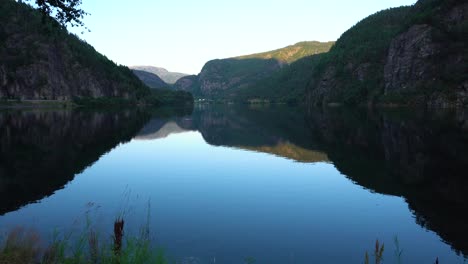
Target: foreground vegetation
{"points": [[25, 247]]}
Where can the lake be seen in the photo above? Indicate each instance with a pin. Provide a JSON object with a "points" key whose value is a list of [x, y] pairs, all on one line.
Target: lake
{"points": [[236, 184]]}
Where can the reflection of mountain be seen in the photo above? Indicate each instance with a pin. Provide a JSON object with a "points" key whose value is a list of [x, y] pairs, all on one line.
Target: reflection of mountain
{"points": [[40, 151], [161, 132], [279, 132], [291, 151], [422, 157]]}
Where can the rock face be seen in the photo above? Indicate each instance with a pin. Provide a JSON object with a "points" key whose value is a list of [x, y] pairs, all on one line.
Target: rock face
{"points": [[426, 56], [412, 56], [186, 83], [42, 61], [408, 57]]}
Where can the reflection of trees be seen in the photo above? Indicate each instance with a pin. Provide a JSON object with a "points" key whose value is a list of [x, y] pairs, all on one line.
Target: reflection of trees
{"points": [[420, 156], [281, 131], [40, 151]]}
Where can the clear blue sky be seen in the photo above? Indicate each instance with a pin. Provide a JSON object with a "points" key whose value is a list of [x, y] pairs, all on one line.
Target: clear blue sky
{"points": [[183, 35]]}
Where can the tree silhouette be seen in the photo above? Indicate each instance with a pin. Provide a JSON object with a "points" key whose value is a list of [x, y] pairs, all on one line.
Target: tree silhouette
{"points": [[64, 11]]}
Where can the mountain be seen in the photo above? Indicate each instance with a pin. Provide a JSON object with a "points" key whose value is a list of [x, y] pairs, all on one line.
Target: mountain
{"points": [[413, 55], [165, 75], [150, 79], [294, 52], [40, 60], [223, 78], [288, 85]]}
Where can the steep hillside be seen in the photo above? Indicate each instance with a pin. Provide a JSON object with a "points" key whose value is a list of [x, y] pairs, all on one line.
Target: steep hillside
{"points": [[189, 84], [224, 78], [221, 77], [42, 61], [285, 86], [294, 52], [165, 75], [410, 55], [414, 55], [151, 80]]}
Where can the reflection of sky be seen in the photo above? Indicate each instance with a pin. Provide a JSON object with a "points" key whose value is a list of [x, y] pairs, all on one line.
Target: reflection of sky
{"points": [[227, 203]]}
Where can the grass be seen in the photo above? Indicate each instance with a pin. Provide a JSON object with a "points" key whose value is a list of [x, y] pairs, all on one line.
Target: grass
{"points": [[377, 255], [23, 246]]}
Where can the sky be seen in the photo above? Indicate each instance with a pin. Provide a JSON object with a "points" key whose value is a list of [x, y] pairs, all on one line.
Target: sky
{"points": [[182, 35]]}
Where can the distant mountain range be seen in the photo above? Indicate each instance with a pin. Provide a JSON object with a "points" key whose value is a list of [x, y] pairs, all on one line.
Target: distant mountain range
{"points": [[224, 78], [150, 79], [167, 76]]}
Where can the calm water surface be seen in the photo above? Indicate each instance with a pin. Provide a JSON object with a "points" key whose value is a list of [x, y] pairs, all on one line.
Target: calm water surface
{"points": [[222, 184]]}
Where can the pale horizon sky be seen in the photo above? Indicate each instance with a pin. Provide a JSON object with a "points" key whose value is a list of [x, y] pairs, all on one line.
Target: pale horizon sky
{"points": [[182, 36]]}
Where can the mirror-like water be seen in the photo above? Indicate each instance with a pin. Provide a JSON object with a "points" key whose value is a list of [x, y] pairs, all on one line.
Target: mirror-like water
{"points": [[274, 184]]}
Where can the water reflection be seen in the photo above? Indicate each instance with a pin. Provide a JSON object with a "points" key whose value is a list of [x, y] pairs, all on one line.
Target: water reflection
{"points": [[421, 156], [40, 151]]}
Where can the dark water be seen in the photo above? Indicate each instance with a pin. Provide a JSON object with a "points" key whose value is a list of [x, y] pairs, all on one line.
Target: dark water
{"points": [[275, 184]]}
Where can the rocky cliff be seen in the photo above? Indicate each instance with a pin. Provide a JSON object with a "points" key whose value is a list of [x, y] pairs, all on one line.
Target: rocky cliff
{"points": [[431, 58], [40, 60], [410, 55]]}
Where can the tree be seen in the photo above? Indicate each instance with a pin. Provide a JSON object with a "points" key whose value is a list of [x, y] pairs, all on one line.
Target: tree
{"points": [[64, 11]]}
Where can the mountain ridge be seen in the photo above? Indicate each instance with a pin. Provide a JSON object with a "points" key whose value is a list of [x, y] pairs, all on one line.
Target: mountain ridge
{"points": [[151, 80], [405, 56], [292, 53], [223, 78], [166, 75]]}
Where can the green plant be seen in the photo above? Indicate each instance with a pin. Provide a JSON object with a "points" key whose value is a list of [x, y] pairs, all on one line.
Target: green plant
{"points": [[378, 253], [21, 247], [24, 247], [398, 251]]}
